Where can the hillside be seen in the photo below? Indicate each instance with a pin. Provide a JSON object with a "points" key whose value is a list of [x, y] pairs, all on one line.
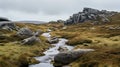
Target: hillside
{"points": [[21, 42], [15, 51], [104, 38]]}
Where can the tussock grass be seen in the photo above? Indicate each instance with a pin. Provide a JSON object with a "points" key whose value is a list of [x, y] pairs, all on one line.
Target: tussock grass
{"points": [[67, 35], [78, 40], [105, 42], [14, 54]]}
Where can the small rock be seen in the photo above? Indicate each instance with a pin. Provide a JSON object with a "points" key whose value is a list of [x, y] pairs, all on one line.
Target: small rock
{"points": [[64, 28], [38, 32], [53, 40], [62, 49]]}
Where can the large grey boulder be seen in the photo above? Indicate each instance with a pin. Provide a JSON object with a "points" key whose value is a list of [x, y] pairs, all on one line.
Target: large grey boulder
{"points": [[25, 33], [30, 41], [70, 56], [8, 25], [29, 37]]}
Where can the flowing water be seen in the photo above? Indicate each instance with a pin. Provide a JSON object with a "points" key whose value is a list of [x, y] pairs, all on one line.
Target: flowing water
{"points": [[51, 52]]}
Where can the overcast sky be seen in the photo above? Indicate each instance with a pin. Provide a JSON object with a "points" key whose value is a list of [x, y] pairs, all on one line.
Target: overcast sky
{"points": [[47, 10]]}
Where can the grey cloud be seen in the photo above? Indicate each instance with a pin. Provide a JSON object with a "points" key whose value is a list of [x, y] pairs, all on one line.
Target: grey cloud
{"points": [[51, 8]]}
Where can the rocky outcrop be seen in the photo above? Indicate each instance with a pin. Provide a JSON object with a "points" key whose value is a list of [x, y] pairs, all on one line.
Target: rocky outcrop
{"points": [[3, 19], [8, 25], [68, 57], [90, 14]]}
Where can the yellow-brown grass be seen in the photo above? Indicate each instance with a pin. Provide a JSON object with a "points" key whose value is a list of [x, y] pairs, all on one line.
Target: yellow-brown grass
{"points": [[106, 43]]}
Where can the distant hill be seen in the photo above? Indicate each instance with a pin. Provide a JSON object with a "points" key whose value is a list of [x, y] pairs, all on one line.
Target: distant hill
{"points": [[34, 22]]}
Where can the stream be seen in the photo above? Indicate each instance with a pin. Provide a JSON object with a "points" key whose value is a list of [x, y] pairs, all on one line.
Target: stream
{"points": [[45, 61]]}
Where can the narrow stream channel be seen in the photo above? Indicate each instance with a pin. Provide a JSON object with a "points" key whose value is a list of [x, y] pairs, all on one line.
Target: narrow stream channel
{"points": [[51, 52]]}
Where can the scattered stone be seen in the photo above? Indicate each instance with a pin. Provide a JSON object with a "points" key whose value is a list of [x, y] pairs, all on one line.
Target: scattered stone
{"points": [[62, 49], [53, 40], [92, 28], [64, 58], [64, 28], [114, 28], [49, 30], [38, 32]]}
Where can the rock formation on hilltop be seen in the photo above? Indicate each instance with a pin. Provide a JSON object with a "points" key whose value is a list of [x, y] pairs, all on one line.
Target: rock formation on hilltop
{"points": [[90, 14], [4, 19], [8, 25]]}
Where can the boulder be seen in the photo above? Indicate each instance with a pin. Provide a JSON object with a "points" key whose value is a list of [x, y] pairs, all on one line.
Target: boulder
{"points": [[64, 58], [29, 37], [25, 33], [8, 25], [30, 40]]}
